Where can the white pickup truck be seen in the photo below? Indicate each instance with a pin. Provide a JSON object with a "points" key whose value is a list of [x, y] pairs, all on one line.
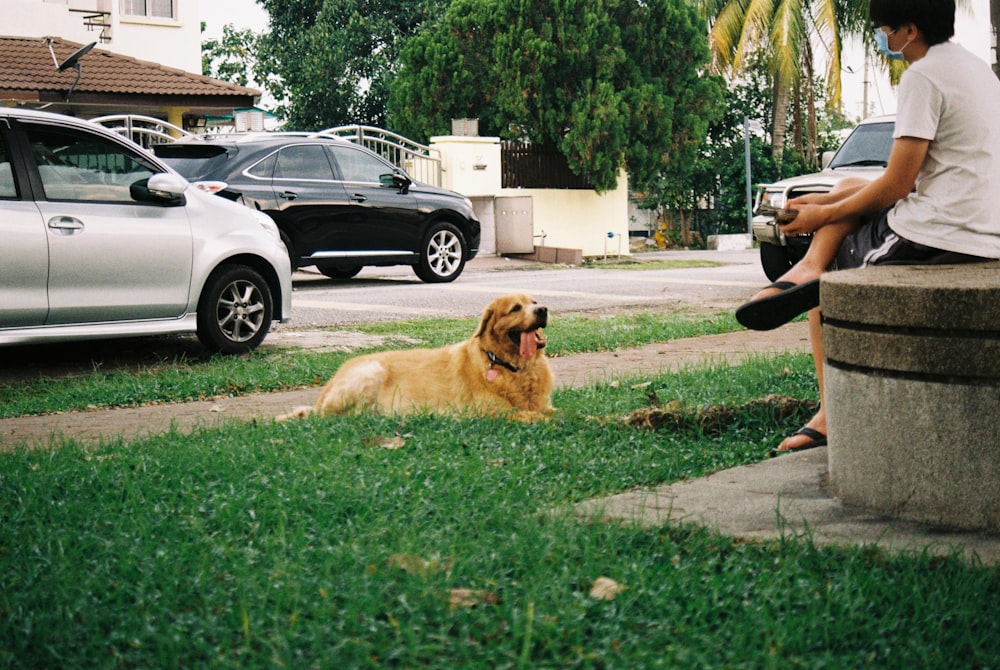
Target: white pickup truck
{"points": [[864, 153]]}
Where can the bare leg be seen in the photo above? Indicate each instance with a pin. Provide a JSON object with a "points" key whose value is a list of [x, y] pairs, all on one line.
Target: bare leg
{"points": [[825, 243], [822, 250], [818, 422]]}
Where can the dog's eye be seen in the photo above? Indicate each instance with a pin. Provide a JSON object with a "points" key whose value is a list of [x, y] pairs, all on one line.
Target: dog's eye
{"points": [[515, 308]]}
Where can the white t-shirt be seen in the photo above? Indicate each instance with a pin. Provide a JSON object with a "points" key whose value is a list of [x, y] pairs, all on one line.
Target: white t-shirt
{"points": [[952, 98]]}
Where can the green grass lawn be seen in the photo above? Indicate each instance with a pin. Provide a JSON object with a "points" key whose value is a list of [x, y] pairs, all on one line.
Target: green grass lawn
{"points": [[282, 369], [428, 542]]}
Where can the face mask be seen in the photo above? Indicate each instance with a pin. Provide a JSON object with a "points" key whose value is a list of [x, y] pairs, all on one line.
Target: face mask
{"points": [[882, 44]]}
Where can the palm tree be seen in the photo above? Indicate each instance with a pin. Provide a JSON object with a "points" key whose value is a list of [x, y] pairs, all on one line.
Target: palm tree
{"points": [[786, 31]]}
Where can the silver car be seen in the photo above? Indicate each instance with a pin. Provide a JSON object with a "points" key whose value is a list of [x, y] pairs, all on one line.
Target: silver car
{"points": [[101, 240], [864, 153]]}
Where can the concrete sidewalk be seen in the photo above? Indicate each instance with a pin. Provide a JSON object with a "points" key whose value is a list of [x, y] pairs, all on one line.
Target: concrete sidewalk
{"points": [[785, 496]]}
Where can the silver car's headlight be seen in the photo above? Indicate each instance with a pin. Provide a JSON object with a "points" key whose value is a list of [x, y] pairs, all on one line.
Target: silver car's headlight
{"points": [[773, 200]]}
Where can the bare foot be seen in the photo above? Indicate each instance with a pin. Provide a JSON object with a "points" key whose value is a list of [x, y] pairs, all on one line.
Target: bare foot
{"points": [[797, 441], [797, 274]]}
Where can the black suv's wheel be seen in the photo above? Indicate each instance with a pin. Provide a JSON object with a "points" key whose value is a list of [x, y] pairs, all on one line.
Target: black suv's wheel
{"points": [[334, 272], [442, 254], [235, 310]]}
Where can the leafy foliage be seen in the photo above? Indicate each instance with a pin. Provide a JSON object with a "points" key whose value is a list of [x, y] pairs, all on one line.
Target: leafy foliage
{"points": [[337, 58], [612, 84], [231, 57]]}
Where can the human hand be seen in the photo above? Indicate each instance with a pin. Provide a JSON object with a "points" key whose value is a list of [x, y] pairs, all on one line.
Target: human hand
{"points": [[784, 216], [801, 219]]}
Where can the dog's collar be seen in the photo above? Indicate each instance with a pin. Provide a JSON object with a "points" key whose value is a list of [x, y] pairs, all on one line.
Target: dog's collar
{"points": [[496, 360]]}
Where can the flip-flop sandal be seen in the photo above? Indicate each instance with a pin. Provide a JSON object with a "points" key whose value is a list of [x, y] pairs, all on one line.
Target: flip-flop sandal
{"points": [[816, 439], [778, 309]]}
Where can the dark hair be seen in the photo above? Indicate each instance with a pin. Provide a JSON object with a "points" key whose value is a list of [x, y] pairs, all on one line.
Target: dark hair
{"points": [[934, 18]]}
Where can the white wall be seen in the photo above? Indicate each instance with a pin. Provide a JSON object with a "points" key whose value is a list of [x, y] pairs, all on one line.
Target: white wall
{"points": [[578, 219], [172, 42], [570, 218]]}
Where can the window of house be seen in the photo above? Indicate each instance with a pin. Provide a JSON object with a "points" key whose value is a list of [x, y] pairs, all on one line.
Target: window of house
{"points": [[160, 9]]}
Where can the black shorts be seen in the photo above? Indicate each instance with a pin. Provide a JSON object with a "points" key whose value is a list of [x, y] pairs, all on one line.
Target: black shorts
{"points": [[875, 243]]}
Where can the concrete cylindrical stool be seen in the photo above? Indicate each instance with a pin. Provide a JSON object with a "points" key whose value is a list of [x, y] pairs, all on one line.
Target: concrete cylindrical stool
{"points": [[912, 393]]}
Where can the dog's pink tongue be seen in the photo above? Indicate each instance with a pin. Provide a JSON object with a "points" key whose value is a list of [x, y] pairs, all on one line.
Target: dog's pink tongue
{"points": [[529, 344]]}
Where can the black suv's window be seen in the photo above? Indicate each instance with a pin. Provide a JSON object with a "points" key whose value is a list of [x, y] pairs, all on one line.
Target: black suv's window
{"points": [[194, 160], [8, 189], [75, 165], [265, 168], [303, 162], [357, 165]]}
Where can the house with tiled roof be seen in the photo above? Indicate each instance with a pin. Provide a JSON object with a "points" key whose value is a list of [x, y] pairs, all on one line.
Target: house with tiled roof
{"points": [[145, 59], [161, 31]]}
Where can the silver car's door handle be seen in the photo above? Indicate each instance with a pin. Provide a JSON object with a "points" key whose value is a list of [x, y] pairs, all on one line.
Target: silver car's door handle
{"points": [[359, 197], [288, 195], [66, 225]]}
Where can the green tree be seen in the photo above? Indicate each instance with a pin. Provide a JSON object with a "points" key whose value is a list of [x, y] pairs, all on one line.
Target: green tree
{"points": [[231, 57], [611, 83], [786, 31], [336, 58]]}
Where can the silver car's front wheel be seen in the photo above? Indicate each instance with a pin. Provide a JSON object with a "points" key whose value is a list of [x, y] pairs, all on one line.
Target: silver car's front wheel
{"points": [[442, 255], [235, 310]]}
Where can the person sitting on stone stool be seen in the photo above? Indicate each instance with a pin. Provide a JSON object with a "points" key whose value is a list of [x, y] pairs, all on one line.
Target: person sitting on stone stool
{"points": [[935, 202]]}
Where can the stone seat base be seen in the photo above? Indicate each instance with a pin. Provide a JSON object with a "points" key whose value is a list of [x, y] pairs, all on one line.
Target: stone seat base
{"points": [[912, 391]]}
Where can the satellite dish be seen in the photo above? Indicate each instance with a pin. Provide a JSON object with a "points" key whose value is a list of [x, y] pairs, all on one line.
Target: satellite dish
{"points": [[74, 62], [74, 58]]}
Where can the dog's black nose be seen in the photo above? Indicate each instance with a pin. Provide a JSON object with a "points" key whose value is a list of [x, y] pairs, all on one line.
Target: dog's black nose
{"points": [[542, 315]]}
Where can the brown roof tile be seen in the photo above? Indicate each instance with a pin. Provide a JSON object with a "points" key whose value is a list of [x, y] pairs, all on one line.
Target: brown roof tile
{"points": [[27, 66]]}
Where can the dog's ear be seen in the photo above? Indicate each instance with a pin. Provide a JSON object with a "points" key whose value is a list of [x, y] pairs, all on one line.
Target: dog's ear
{"points": [[484, 322]]}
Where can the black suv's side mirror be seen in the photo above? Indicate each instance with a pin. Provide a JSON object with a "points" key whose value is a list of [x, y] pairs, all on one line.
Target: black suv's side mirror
{"points": [[396, 180]]}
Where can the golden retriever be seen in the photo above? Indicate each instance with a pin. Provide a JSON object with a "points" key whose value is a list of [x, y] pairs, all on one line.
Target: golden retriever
{"points": [[500, 371]]}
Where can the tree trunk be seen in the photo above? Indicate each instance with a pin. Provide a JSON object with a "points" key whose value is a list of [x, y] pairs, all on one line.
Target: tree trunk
{"points": [[812, 160], [797, 119], [780, 118]]}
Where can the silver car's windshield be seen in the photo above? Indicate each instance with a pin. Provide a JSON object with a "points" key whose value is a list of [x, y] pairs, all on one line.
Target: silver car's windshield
{"points": [[868, 145]]}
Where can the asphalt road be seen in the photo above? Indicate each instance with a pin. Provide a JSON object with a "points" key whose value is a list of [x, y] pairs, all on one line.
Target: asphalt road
{"points": [[394, 293]]}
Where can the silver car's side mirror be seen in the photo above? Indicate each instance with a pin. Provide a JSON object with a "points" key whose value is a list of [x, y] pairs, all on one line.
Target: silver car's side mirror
{"points": [[161, 189]]}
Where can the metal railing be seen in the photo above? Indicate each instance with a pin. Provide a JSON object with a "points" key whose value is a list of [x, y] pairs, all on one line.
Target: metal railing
{"points": [[421, 162], [143, 130]]}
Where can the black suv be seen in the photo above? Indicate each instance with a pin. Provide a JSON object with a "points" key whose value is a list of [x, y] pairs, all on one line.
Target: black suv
{"points": [[338, 205]]}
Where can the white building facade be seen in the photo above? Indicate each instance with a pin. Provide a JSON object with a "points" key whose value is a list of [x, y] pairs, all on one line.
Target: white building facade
{"points": [[159, 31]]}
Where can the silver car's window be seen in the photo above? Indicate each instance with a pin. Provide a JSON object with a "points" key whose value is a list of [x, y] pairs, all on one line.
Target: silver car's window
{"points": [[8, 189], [76, 165], [358, 165], [303, 162]]}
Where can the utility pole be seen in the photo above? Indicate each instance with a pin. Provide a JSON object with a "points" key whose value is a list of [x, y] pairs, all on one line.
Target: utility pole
{"points": [[864, 83]]}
